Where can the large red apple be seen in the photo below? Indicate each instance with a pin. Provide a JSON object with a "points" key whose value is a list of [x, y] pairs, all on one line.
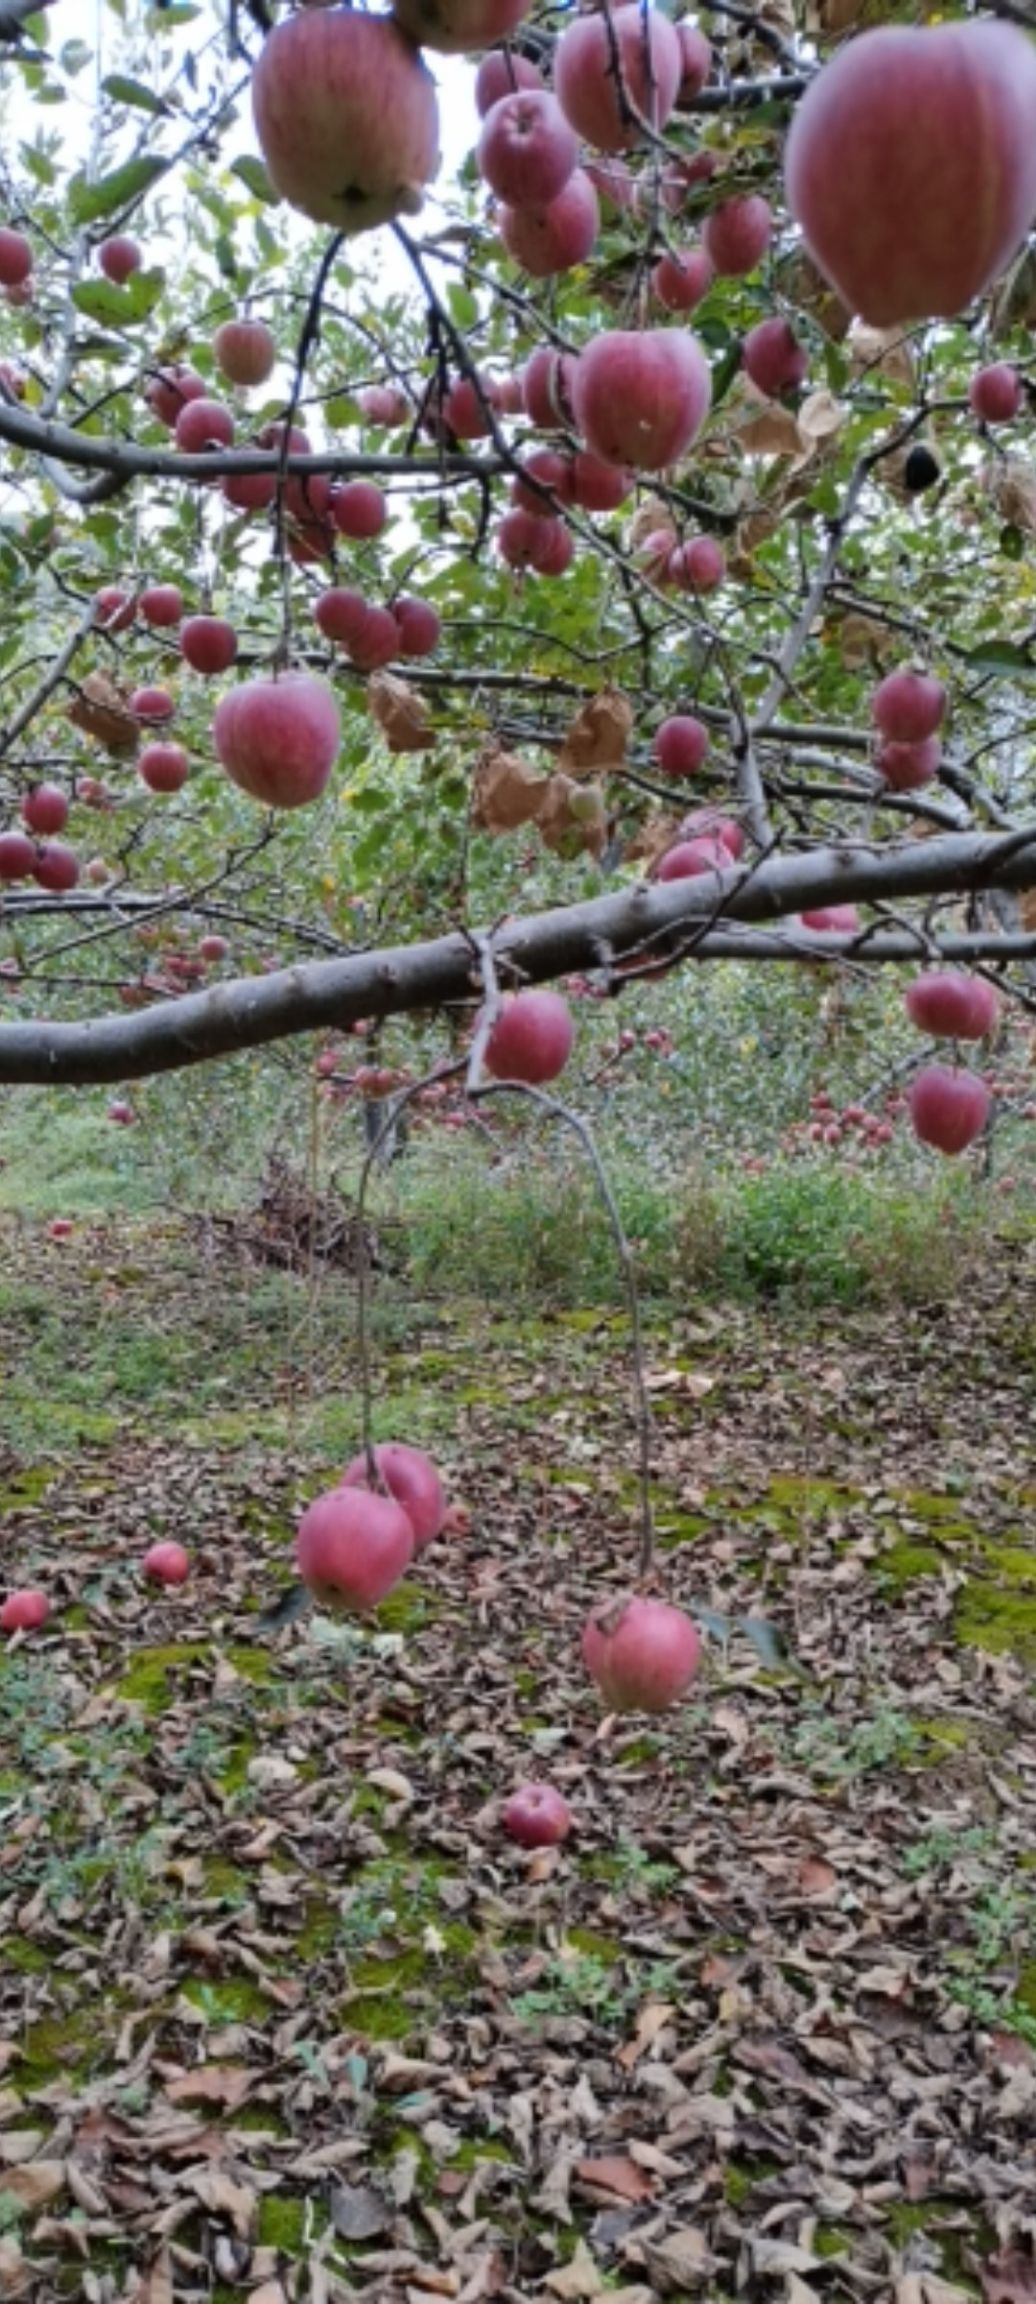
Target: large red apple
{"points": [[527, 150], [641, 396], [376, 642], [911, 166], [907, 767], [413, 1482], [346, 116], [352, 1547], [24, 1610], [948, 1109], [952, 1006], [203, 424], [531, 1039], [167, 1563], [246, 351], [208, 644], [55, 867], [358, 509], [45, 808], [537, 1816], [643, 1654], [556, 236], [587, 86], [278, 739], [161, 605]]}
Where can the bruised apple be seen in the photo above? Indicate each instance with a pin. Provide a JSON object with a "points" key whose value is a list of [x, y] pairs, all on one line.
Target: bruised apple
{"points": [[948, 1109], [537, 1816], [167, 1563], [952, 1006], [643, 1654], [911, 166], [278, 739], [352, 1547], [24, 1610], [346, 115], [412, 1481], [641, 396], [531, 1039]]}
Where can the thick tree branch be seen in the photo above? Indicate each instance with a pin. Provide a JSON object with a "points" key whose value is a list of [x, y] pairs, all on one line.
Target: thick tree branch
{"points": [[253, 1012]]}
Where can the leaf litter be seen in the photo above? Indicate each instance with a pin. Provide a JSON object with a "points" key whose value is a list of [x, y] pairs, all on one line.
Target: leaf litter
{"points": [[283, 2015]]}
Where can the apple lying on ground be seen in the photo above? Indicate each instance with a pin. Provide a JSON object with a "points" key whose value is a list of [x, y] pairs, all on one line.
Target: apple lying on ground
{"points": [[537, 1816], [24, 1610], [167, 1563]]}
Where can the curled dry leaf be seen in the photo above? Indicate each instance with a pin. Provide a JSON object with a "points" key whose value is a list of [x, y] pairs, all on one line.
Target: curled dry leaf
{"points": [[101, 710], [886, 349], [401, 714], [805, 287], [598, 735], [506, 793]]}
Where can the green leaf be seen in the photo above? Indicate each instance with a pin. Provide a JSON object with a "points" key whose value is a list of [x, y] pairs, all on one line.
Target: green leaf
{"points": [[766, 1640], [1012, 542], [89, 201], [116, 307], [1001, 656], [253, 174], [123, 90]]}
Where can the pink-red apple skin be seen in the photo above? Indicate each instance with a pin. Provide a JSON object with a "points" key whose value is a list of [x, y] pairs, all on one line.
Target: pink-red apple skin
{"points": [[585, 83], [278, 739], [17, 856], [167, 1563], [910, 166], [346, 115], [45, 808], [500, 72], [536, 1816], [527, 150], [15, 258], [774, 359], [643, 1654], [640, 397], [203, 424], [353, 1547], [24, 1610], [995, 394], [412, 1481], [455, 27], [691, 859], [681, 744], [246, 351], [952, 1006], [418, 625], [908, 706], [682, 278], [531, 1039], [556, 236], [161, 605], [208, 644], [163, 767], [55, 867], [169, 391], [832, 919], [119, 258], [948, 1110], [737, 234], [908, 767]]}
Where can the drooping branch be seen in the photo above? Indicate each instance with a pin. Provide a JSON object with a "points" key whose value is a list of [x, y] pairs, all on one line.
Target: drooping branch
{"points": [[254, 1012]]}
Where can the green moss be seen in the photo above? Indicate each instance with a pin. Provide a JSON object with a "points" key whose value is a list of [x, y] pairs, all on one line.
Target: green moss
{"points": [[407, 1609], [475, 2149], [905, 1561], [594, 1946], [25, 1958], [226, 1881], [287, 2224], [829, 2240], [147, 1681], [62, 2047], [234, 2000], [319, 1929], [1000, 1622], [27, 1487], [674, 1528]]}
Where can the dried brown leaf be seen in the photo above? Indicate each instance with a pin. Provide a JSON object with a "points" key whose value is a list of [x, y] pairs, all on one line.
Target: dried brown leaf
{"points": [[101, 710], [506, 793], [598, 736], [401, 714]]}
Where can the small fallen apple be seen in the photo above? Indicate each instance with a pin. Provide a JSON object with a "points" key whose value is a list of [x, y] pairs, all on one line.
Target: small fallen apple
{"points": [[537, 1816], [167, 1563]]}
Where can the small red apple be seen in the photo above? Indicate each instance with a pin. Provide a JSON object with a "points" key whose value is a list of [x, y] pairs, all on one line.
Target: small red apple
{"points": [[17, 856], [163, 767], [774, 359], [681, 744], [383, 404], [116, 609], [24, 1611], [737, 234], [122, 1114], [341, 615], [120, 257], [246, 351], [995, 394], [359, 510], [55, 867], [643, 1654], [45, 808], [208, 644], [952, 1006], [418, 625], [557, 235], [412, 1481], [691, 859], [60, 1228], [169, 391], [167, 1563], [833, 919], [681, 279], [948, 1110], [908, 706], [162, 604], [203, 424], [15, 258], [531, 1039], [152, 706], [352, 1547], [536, 1816], [527, 150], [908, 767]]}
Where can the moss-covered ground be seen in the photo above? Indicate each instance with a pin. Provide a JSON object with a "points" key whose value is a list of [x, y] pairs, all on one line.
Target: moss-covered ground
{"points": [[283, 2014]]}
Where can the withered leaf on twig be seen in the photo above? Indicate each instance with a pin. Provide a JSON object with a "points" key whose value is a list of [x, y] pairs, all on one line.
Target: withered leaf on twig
{"points": [[401, 714], [598, 735], [571, 819], [506, 792], [101, 710]]}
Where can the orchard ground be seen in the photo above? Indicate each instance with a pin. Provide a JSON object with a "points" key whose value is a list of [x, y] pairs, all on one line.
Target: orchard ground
{"points": [[284, 2014]]}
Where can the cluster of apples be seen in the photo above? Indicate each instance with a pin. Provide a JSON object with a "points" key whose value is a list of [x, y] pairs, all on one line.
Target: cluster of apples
{"points": [[908, 708], [355, 1542], [949, 1108], [33, 854]]}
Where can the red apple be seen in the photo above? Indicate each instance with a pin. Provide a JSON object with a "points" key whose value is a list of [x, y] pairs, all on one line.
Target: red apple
{"points": [[249, 491], [122, 1114], [547, 387], [500, 72], [358, 510], [418, 625], [55, 867], [161, 605], [695, 62], [213, 948], [208, 644], [383, 404], [536, 1816], [550, 469], [167, 1563], [907, 767], [690, 859], [60, 1228], [948, 1109], [346, 116], [911, 166], [709, 824], [116, 609], [643, 1654], [203, 424], [952, 1006], [774, 359], [376, 642], [169, 391], [612, 181], [681, 744], [341, 615], [454, 27], [596, 485], [119, 257], [641, 396], [465, 413], [45, 808], [531, 1039], [412, 1481], [553, 238], [17, 856], [587, 86], [833, 919], [527, 151], [246, 351], [278, 739], [525, 540], [737, 234], [163, 767], [152, 705], [24, 1610], [352, 1547], [995, 394], [15, 258], [699, 566], [908, 706], [681, 278]]}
